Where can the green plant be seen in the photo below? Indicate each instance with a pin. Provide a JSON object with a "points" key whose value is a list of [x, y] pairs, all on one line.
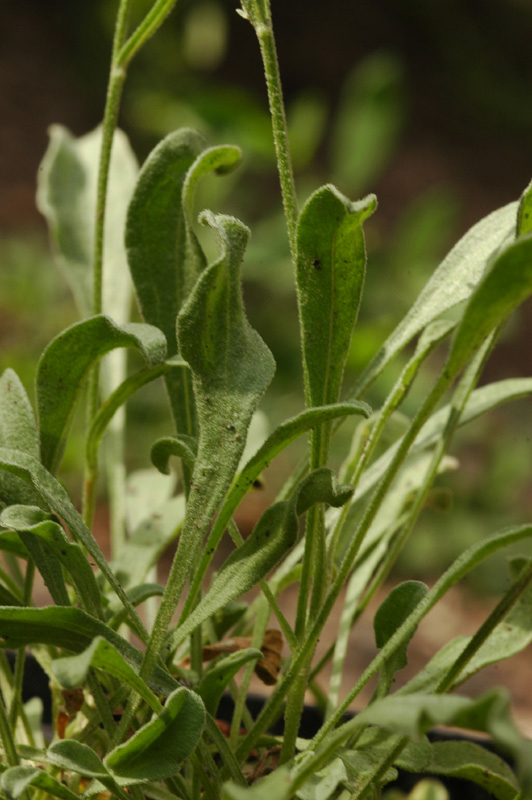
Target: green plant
{"points": [[337, 539]]}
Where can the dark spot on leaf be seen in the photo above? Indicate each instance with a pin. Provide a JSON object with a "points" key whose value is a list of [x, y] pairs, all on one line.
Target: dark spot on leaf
{"points": [[316, 263], [258, 484], [63, 552], [266, 533], [230, 427]]}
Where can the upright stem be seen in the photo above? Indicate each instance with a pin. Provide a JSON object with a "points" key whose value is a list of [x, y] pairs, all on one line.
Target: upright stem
{"points": [[260, 16]]}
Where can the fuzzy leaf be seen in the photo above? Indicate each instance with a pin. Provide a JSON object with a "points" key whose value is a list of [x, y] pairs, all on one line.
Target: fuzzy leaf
{"points": [[55, 496], [389, 617], [73, 630], [16, 780], [451, 283], [277, 784], [72, 671], [231, 370], [66, 195], [157, 750], [32, 522], [77, 757], [65, 362], [475, 763], [17, 429], [185, 447], [331, 266], [215, 681], [524, 213], [323, 784], [505, 285]]}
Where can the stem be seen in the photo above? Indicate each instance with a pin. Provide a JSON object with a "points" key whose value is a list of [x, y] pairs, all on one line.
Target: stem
{"points": [[261, 21], [7, 737], [149, 25]]}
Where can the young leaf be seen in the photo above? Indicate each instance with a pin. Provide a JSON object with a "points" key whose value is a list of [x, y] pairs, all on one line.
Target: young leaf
{"points": [[16, 780], [331, 266], [66, 195], [215, 681], [69, 754], [324, 783], [72, 671], [185, 447], [451, 283], [65, 362], [17, 429], [389, 616], [33, 523], [157, 749]]}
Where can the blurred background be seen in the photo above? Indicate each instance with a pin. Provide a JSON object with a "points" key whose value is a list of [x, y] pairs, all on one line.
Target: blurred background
{"points": [[425, 104]]}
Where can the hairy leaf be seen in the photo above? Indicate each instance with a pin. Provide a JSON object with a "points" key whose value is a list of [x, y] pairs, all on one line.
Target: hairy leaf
{"points": [[331, 266], [451, 283], [475, 763], [16, 780], [157, 749], [215, 681], [17, 429], [64, 364], [185, 447]]}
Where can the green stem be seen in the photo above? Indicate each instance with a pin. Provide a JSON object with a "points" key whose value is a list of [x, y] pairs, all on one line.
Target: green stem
{"points": [[6, 737], [261, 21], [149, 25]]}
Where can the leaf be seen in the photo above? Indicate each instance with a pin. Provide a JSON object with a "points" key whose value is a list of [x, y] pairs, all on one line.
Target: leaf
{"points": [[156, 750], [185, 447], [475, 763], [331, 266], [389, 617], [506, 283], [231, 370], [17, 429], [32, 522], [66, 195], [16, 780], [77, 757], [56, 497], [324, 783], [164, 254], [277, 784], [65, 362], [524, 212], [72, 671], [73, 630], [451, 283], [413, 714], [215, 681]]}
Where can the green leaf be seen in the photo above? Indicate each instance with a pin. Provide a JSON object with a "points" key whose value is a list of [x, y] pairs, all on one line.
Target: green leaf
{"points": [[157, 750], [32, 522], [324, 783], [231, 371], [77, 757], [72, 671], [475, 763], [277, 784], [331, 267], [65, 362], [413, 714], [16, 780], [66, 195], [215, 681], [389, 617], [56, 497], [17, 429], [505, 285], [524, 212], [451, 283], [185, 447], [73, 630]]}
